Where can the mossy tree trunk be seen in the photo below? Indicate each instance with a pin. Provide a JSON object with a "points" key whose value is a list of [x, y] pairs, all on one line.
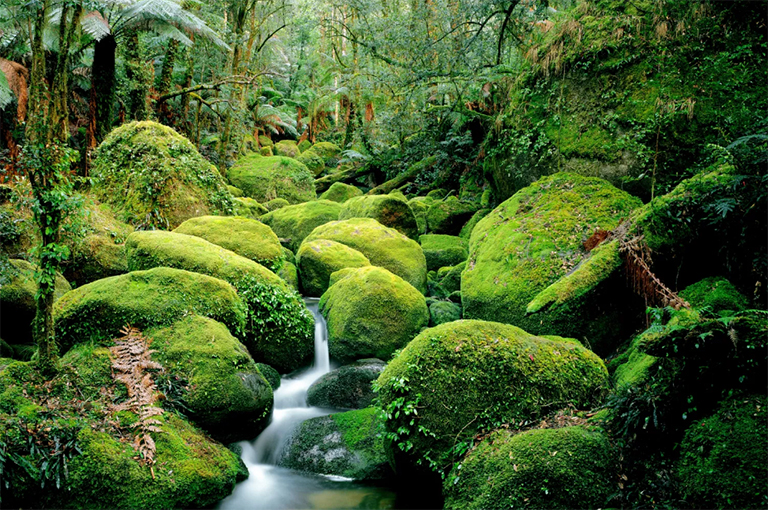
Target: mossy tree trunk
{"points": [[103, 85], [59, 112], [139, 77], [165, 80]]}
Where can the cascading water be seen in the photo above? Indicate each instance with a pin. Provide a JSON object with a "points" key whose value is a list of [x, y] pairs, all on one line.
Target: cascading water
{"points": [[272, 487]]}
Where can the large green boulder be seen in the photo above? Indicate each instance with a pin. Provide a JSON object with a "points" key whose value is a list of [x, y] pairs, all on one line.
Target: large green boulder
{"points": [[246, 237], [723, 461], [345, 444], [441, 312], [248, 207], [276, 203], [99, 310], [341, 192], [317, 260], [371, 313], [388, 210], [18, 287], [383, 246], [533, 239], [279, 328], [330, 152], [459, 378], [296, 222], [288, 148], [226, 394], [451, 279], [420, 206], [313, 161], [569, 467], [347, 387], [715, 294], [442, 250], [469, 226], [265, 178], [154, 177], [449, 215]]}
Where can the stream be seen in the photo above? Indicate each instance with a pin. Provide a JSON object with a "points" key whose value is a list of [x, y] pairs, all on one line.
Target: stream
{"points": [[270, 487]]}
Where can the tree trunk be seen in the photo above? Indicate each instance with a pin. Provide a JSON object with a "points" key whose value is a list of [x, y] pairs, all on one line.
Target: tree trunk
{"points": [[59, 112], [165, 80], [188, 75], [139, 78], [37, 131], [103, 85]]}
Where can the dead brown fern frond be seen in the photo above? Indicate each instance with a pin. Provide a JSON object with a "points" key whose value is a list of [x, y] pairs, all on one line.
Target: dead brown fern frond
{"points": [[637, 261], [131, 362]]}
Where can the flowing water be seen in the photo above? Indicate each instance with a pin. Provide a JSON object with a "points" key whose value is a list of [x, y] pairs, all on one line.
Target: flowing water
{"points": [[270, 487]]}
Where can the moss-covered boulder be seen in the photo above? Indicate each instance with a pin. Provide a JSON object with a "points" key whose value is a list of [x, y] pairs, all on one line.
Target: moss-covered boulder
{"points": [[441, 312], [236, 192], [288, 148], [716, 294], [313, 161], [533, 239], [103, 466], [248, 207], [569, 467], [152, 176], [304, 145], [266, 151], [461, 377], [388, 210], [17, 299], [226, 394], [340, 192], [330, 152], [297, 221], [466, 230], [383, 246], [289, 273], [371, 313], [722, 458], [97, 311], [270, 374], [451, 280], [443, 250], [279, 328], [344, 444], [317, 260], [420, 206], [266, 178], [248, 238], [347, 387], [276, 203], [449, 215]]}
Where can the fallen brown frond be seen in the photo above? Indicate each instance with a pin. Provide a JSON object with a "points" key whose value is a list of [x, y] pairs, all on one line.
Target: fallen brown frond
{"points": [[637, 261]]}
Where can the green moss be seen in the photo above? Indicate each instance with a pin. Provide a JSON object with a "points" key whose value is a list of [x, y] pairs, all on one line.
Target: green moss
{"points": [[287, 148], [153, 176], [570, 467], [266, 178], [17, 299], [266, 152], [383, 246], [317, 260], [466, 230], [304, 145], [722, 458], [449, 215], [461, 377], [226, 393], [275, 204], [296, 222], [442, 250], [451, 281], [388, 210], [290, 275], [248, 207], [347, 387], [279, 328], [371, 313], [248, 238], [715, 293], [236, 192], [270, 374], [340, 192], [345, 444], [313, 161], [330, 152], [441, 312], [535, 238], [265, 141], [437, 194], [97, 311], [420, 206]]}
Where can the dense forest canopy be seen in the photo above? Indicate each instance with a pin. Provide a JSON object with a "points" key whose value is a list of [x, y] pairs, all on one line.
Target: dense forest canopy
{"points": [[534, 226]]}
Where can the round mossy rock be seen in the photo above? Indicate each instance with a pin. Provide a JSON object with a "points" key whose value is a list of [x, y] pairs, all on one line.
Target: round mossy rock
{"points": [[347, 387], [236, 192], [346, 444], [723, 461], [276, 204], [18, 287], [449, 215], [266, 178], [467, 375], [289, 273], [99, 310], [466, 230], [248, 207], [569, 467], [279, 328], [715, 293], [341, 192], [330, 152], [287, 148], [226, 393], [442, 250], [532, 240], [371, 313], [304, 145], [313, 161], [265, 141], [383, 246], [451, 281], [296, 222], [152, 176], [248, 238], [388, 210], [420, 206], [266, 151], [317, 260], [441, 312], [270, 374]]}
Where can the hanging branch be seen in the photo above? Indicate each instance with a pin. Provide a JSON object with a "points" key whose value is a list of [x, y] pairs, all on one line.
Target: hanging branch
{"points": [[230, 80]]}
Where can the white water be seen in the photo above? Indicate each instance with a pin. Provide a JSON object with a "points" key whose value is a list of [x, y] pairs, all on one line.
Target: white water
{"points": [[270, 487]]}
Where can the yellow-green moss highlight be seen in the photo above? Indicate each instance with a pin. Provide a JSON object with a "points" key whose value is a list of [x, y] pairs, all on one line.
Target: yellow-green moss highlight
{"points": [[266, 178], [449, 215], [313, 161], [248, 207], [388, 210], [296, 222], [443, 250], [340, 192], [317, 260]]}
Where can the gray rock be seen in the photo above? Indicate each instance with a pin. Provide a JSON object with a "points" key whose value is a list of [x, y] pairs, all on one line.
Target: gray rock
{"points": [[347, 387]]}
